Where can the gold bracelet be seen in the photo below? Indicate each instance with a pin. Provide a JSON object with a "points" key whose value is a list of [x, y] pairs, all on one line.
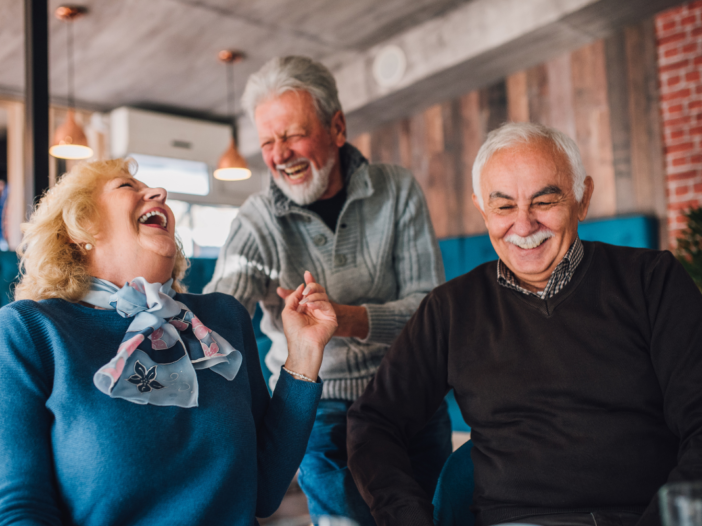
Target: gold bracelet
{"points": [[298, 375]]}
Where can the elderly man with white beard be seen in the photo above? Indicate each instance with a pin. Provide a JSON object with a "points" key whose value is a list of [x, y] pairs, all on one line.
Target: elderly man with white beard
{"points": [[578, 365], [364, 232]]}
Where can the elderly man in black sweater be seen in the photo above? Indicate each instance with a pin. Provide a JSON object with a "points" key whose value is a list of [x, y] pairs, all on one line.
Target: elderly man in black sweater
{"points": [[577, 365]]}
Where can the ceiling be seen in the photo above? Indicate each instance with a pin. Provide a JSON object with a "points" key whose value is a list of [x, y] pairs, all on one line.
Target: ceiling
{"points": [[162, 54]]}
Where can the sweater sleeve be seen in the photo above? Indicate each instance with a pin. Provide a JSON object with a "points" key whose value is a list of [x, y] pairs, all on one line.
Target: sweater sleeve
{"points": [[417, 262], [406, 391], [28, 494], [675, 316], [283, 426], [241, 270]]}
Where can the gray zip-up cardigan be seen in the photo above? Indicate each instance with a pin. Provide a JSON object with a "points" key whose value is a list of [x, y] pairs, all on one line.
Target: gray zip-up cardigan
{"points": [[383, 255]]}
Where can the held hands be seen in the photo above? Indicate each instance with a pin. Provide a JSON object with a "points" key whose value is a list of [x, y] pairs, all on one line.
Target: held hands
{"points": [[309, 322]]}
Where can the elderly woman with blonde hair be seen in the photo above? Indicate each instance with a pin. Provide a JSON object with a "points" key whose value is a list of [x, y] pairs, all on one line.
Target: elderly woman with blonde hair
{"points": [[127, 401]]}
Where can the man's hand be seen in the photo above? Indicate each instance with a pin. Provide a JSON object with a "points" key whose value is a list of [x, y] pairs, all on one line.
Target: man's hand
{"points": [[309, 321], [352, 320]]}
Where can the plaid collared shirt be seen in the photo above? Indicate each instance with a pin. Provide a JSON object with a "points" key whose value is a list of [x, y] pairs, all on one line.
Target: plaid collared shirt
{"points": [[561, 274]]}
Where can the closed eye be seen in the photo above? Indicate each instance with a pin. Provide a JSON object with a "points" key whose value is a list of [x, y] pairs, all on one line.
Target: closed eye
{"points": [[545, 203], [125, 184]]}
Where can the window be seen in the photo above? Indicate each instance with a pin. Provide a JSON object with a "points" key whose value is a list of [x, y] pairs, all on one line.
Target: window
{"points": [[203, 229], [175, 175]]}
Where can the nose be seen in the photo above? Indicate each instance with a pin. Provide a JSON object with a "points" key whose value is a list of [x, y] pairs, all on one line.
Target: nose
{"points": [[281, 152], [525, 223], [156, 194]]}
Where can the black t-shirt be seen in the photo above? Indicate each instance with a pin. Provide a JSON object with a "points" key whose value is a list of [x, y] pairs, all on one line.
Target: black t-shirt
{"points": [[329, 209]]}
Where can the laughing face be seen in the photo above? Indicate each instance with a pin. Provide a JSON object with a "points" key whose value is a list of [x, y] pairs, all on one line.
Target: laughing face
{"points": [[530, 210], [301, 153], [135, 232]]}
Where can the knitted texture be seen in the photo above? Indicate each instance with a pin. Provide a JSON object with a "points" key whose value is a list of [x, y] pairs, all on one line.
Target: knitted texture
{"points": [[588, 401], [73, 455], [383, 255]]}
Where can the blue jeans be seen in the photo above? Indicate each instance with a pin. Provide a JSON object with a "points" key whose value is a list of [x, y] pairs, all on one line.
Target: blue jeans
{"points": [[325, 477]]}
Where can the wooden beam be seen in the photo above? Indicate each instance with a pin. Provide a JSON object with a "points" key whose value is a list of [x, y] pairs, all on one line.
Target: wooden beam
{"points": [[560, 89], [473, 135], [453, 181], [538, 94], [647, 164], [435, 187], [517, 97], [620, 123], [384, 145], [592, 125], [493, 104]]}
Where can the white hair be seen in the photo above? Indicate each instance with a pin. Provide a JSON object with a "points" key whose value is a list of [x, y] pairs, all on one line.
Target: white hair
{"points": [[293, 73], [513, 133]]}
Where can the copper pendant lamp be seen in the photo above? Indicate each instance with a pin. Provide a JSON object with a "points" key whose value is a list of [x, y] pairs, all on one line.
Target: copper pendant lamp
{"points": [[232, 166], [69, 140]]}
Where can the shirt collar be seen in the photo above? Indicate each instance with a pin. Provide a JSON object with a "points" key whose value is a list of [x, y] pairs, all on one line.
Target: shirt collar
{"points": [[353, 170], [560, 277]]}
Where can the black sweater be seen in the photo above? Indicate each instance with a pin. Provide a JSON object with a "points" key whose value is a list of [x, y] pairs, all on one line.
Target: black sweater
{"points": [[590, 400]]}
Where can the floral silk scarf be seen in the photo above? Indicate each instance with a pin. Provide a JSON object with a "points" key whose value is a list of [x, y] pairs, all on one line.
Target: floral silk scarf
{"points": [[162, 348]]}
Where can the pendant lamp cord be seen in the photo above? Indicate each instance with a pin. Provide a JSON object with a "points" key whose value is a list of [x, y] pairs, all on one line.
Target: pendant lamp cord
{"points": [[230, 95], [69, 59]]}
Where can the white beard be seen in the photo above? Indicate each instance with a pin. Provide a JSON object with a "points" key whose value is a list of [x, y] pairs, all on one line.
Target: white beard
{"points": [[309, 192], [532, 241]]}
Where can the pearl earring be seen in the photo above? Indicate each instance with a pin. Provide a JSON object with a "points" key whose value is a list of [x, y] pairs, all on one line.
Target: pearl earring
{"points": [[88, 246]]}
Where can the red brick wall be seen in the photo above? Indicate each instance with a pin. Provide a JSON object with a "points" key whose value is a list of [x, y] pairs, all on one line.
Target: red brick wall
{"points": [[679, 33]]}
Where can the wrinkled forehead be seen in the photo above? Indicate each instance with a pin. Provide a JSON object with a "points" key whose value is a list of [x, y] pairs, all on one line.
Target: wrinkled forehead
{"points": [[290, 108]]}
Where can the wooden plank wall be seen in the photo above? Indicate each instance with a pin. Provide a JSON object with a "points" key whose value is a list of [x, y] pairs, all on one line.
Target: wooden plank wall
{"points": [[604, 95]]}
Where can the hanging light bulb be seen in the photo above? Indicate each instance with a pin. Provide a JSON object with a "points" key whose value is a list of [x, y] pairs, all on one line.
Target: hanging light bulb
{"points": [[70, 141], [232, 166]]}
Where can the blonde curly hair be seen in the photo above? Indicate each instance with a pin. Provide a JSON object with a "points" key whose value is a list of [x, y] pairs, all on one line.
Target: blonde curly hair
{"points": [[53, 260]]}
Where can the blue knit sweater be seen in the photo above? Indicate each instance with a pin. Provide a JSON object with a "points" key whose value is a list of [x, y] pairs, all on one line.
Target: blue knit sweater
{"points": [[71, 455]]}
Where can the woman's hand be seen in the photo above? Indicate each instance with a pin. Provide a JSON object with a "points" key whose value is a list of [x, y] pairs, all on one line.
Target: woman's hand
{"points": [[309, 321]]}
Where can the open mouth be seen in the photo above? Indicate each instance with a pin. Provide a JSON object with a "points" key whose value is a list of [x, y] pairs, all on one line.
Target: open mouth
{"points": [[296, 171], [157, 218]]}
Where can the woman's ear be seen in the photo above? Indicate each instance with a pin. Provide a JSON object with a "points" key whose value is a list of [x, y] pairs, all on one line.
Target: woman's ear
{"points": [[84, 245]]}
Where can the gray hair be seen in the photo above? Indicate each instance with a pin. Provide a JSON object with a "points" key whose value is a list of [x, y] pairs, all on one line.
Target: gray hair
{"points": [[514, 133], [293, 73]]}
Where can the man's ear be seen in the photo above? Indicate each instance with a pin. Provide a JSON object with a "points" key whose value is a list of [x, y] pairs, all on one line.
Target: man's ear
{"points": [[482, 212], [338, 129], [584, 204]]}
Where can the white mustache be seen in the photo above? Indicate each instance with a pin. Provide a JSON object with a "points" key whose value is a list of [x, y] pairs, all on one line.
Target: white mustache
{"points": [[532, 241]]}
